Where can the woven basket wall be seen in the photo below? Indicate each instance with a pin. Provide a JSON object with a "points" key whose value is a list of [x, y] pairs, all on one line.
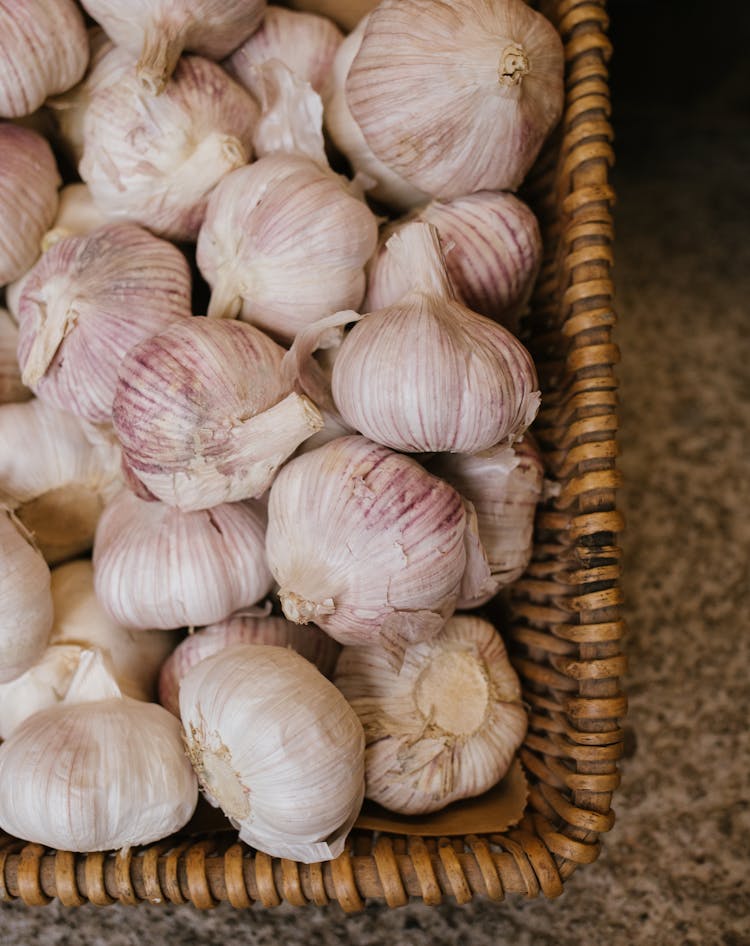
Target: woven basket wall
{"points": [[565, 621]]}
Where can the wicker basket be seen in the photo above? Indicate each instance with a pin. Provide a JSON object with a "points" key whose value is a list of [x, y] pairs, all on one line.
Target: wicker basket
{"points": [[565, 623]]}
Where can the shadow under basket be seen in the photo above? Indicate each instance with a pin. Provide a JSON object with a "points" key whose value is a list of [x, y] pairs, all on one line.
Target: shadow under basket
{"points": [[563, 626]]}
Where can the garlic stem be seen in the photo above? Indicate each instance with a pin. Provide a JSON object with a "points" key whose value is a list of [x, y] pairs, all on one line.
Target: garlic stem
{"points": [[93, 680], [57, 319], [431, 275], [225, 301], [514, 65], [162, 45], [301, 610], [214, 156]]}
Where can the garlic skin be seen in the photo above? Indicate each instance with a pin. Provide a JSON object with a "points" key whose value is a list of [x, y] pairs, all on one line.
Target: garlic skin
{"points": [[427, 374], [445, 727], [205, 414], [12, 389], [492, 248], [504, 484], [25, 599], [366, 544], [43, 50], [56, 478], [346, 13], [77, 214], [159, 31], [44, 684], [284, 243], [310, 642], [158, 567], [277, 747], [28, 198], [155, 161], [86, 303], [97, 772], [485, 85]]}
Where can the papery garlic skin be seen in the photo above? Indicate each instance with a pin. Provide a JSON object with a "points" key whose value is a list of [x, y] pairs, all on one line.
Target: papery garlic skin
{"points": [[77, 214], [57, 479], [158, 31], [277, 747], [28, 198], [155, 161], [205, 414], [158, 567], [285, 243], [310, 642], [365, 544], [427, 374], [492, 248], [97, 772], [86, 303], [25, 599], [12, 389], [446, 727], [346, 13], [43, 50], [485, 85], [504, 484], [44, 684]]}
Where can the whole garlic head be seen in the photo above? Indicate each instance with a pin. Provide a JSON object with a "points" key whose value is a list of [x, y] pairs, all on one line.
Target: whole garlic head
{"points": [[445, 727]]}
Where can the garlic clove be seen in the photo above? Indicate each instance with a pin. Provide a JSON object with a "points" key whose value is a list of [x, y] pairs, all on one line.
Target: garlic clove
{"points": [[12, 389], [77, 215]]}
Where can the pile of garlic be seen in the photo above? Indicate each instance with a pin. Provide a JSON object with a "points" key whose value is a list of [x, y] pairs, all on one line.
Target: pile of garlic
{"points": [[341, 440]]}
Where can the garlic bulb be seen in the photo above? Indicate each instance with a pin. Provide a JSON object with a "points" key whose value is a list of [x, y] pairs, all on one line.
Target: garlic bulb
{"points": [[155, 160], [25, 599], [98, 771], [277, 747], [366, 544], [504, 484], [158, 567], [492, 248], [136, 657], [77, 214], [57, 478], [346, 13], [445, 727], [86, 303], [44, 684], [309, 642], [205, 415], [158, 31], [43, 50], [12, 389], [485, 85], [427, 374], [284, 243], [28, 198]]}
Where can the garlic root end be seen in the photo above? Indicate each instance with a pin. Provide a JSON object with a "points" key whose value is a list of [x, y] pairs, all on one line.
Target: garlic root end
{"points": [[302, 611]]}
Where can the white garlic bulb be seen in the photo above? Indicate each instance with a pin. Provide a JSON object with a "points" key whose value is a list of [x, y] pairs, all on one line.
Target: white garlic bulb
{"points": [[447, 726], [310, 642], [277, 747], [504, 484], [485, 88], [285, 243], [86, 303], [205, 414], [158, 31], [427, 374], [25, 599], [492, 248], [98, 771], [158, 567], [77, 214], [12, 389], [155, 161], [346, 13], [366, 544], [44, 684], [28, 198], [57, 478], [43, 50]]}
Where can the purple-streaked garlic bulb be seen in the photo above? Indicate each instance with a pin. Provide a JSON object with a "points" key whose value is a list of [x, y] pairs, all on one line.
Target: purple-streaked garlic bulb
{"points": [[156, 160], [86, 303], [157, 32], [28, 198], [347, 13], [492, 248], [205, 414], [427, 374], [158, 567], [485, 88], [310, 642], [366, 544], [43, 50], [12, 389], [447, 726], [77, 214], [504, 484], [285, 243]]}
